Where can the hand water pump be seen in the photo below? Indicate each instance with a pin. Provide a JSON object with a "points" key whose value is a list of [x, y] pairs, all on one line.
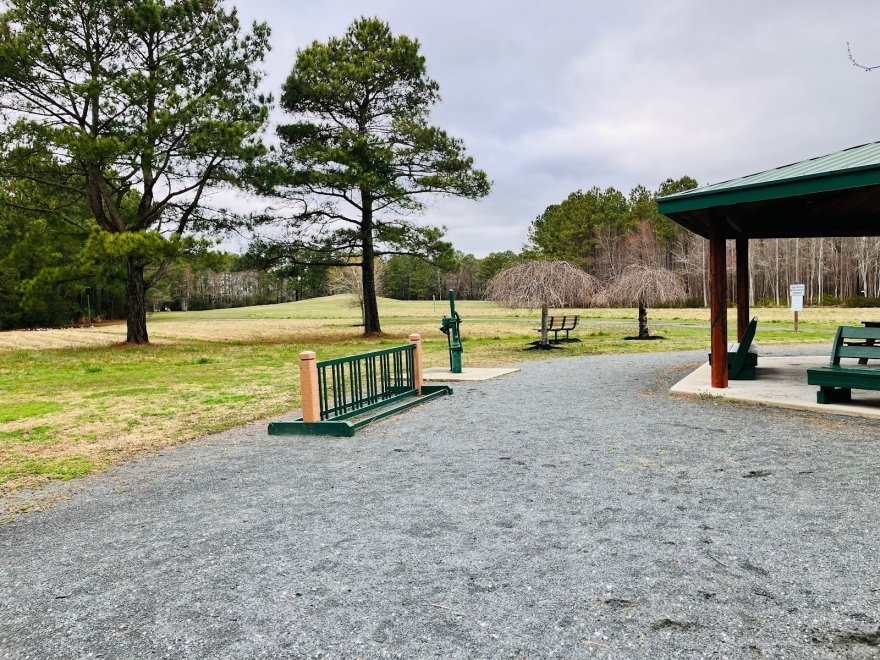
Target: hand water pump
{"points": [[451, 328]]}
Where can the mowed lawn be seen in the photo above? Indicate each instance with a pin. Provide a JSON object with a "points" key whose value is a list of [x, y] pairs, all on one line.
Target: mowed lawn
{"points": [[78, 401]]}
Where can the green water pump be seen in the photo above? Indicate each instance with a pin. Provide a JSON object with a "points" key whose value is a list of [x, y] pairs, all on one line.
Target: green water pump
{"points": [[451, 328]]}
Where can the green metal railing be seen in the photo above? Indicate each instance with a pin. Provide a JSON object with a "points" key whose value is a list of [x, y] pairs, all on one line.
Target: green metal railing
{"points": [[353, 385]]}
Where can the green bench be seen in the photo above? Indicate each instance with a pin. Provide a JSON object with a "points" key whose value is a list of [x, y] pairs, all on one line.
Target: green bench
{"points": [[556, 325], [742, 357], [836, 381]]}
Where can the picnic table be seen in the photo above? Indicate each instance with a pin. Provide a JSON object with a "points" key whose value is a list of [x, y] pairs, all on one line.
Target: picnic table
{"points": [[836, 381]]}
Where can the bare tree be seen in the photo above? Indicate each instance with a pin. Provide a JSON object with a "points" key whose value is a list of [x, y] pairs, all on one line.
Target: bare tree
{"points": [[643, 285], [542, 284], [348, 280]]}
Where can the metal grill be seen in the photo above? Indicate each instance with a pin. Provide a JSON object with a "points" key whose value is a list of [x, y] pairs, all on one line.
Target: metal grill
{"points": [[356, 384]]}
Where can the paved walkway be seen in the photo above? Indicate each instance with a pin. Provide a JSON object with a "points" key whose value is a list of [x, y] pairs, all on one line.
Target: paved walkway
{"points": [[570, 509], [782, 382]]}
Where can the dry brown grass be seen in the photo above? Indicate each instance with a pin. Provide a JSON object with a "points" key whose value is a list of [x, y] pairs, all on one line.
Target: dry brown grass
{"points": [[323, 322], [15, 340], [244, 330]]}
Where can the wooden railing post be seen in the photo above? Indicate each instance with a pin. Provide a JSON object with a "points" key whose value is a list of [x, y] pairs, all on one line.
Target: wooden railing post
{"points": [[308, 386], [417, 362]]}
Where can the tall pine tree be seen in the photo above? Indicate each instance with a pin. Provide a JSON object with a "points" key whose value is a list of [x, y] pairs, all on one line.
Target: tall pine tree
{"points": [[361, 155]]}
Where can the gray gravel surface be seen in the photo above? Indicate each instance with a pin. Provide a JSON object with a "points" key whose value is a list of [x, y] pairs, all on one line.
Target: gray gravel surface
{"points": [[571, 509]]}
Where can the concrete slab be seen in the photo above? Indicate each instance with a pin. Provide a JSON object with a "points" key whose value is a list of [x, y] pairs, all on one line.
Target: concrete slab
{"points": [[468, 374], [782, 383]]}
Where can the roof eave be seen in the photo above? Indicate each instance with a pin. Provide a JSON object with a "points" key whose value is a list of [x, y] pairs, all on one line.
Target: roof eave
{"points": [[814, 183]]}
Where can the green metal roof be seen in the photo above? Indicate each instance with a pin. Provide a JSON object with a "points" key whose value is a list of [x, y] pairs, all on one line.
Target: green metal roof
{"points": [[838, 183]]}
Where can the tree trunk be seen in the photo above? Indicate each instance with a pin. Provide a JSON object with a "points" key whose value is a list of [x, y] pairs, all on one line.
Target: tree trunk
{"points": [[368, 279], [544, 332], [643, 320], [135, 303]]}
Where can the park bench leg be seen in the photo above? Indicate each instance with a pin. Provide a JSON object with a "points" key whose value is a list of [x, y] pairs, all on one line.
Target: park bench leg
{"points": [[833, 395], [868, 342]]}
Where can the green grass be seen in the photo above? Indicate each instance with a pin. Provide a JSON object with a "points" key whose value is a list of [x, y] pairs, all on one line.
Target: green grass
{"points": [[11, 412], [69, 412], [44, 434], [54, 468]]}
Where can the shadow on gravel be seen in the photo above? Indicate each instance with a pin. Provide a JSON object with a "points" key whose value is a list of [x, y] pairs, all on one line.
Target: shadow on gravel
{"points": [[858, 638]]}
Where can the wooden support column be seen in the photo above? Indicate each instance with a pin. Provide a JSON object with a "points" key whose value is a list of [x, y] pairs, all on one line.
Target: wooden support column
{"points": [[418, 371], [718, 305], [742, 286], [308, 386]]}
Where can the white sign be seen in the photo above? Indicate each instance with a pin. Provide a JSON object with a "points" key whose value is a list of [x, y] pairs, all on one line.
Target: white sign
{"points": [[797, 303], [796, 290]]}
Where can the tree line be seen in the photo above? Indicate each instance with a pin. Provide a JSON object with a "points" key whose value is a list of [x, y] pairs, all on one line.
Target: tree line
{"points": [[604, 231]]}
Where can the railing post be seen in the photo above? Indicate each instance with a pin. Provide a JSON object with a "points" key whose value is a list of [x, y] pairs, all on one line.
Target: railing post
{"points": [[417, 362], [308, 386]]}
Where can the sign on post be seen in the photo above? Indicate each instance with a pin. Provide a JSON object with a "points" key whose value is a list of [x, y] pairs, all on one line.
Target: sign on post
{"points": [[796, 295]]}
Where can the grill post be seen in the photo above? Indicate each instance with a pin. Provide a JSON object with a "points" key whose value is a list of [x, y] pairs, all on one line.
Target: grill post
{"points": [[417, 362], [308, 386]]}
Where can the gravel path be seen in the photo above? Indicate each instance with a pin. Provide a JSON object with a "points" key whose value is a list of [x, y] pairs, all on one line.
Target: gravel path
{"points": [[572, 509]]}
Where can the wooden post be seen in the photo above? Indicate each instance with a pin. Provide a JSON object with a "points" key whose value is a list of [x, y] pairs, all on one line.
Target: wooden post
{"points": [[308, 386], [718, 305], [417, 362], [742, 286]]}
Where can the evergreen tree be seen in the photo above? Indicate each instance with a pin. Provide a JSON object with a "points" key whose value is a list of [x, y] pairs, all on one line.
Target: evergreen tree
{"points": [[361, 154], [145, 105]]}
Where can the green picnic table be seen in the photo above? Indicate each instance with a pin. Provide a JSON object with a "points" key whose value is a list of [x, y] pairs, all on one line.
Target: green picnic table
{"points": [[836, 381]]}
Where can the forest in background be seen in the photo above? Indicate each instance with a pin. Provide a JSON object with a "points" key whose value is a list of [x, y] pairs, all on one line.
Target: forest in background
{"points": [[600, 230]]}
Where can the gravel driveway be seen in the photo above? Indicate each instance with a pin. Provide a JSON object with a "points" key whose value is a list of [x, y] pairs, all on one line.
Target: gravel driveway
{"points": [[571, 509]]}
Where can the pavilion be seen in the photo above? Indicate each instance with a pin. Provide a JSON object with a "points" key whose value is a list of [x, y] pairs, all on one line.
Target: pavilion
{"points": [[828, 196]]}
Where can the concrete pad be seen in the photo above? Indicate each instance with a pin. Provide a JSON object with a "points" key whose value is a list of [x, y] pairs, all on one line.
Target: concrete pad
{"points": [[781, 382], [468, 374]]}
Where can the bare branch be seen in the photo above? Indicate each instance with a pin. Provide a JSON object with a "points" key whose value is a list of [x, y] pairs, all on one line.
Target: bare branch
{"points": [[640, 284], [857, 64], [543, 284]]}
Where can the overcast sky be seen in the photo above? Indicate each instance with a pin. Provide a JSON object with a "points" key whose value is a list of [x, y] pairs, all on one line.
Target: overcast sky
{"points": [[562, 95]]}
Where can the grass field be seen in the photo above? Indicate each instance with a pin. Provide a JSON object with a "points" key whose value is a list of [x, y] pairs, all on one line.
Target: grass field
{"points": [[78, 401]]}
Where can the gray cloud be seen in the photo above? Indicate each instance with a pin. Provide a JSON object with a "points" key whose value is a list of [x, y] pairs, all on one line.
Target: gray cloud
{"points": [[555, 96]]}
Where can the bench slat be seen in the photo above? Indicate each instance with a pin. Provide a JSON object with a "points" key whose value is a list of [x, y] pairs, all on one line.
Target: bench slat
{"points": [[743, 352], [855, 332], [864, 378], [859, 351]]}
